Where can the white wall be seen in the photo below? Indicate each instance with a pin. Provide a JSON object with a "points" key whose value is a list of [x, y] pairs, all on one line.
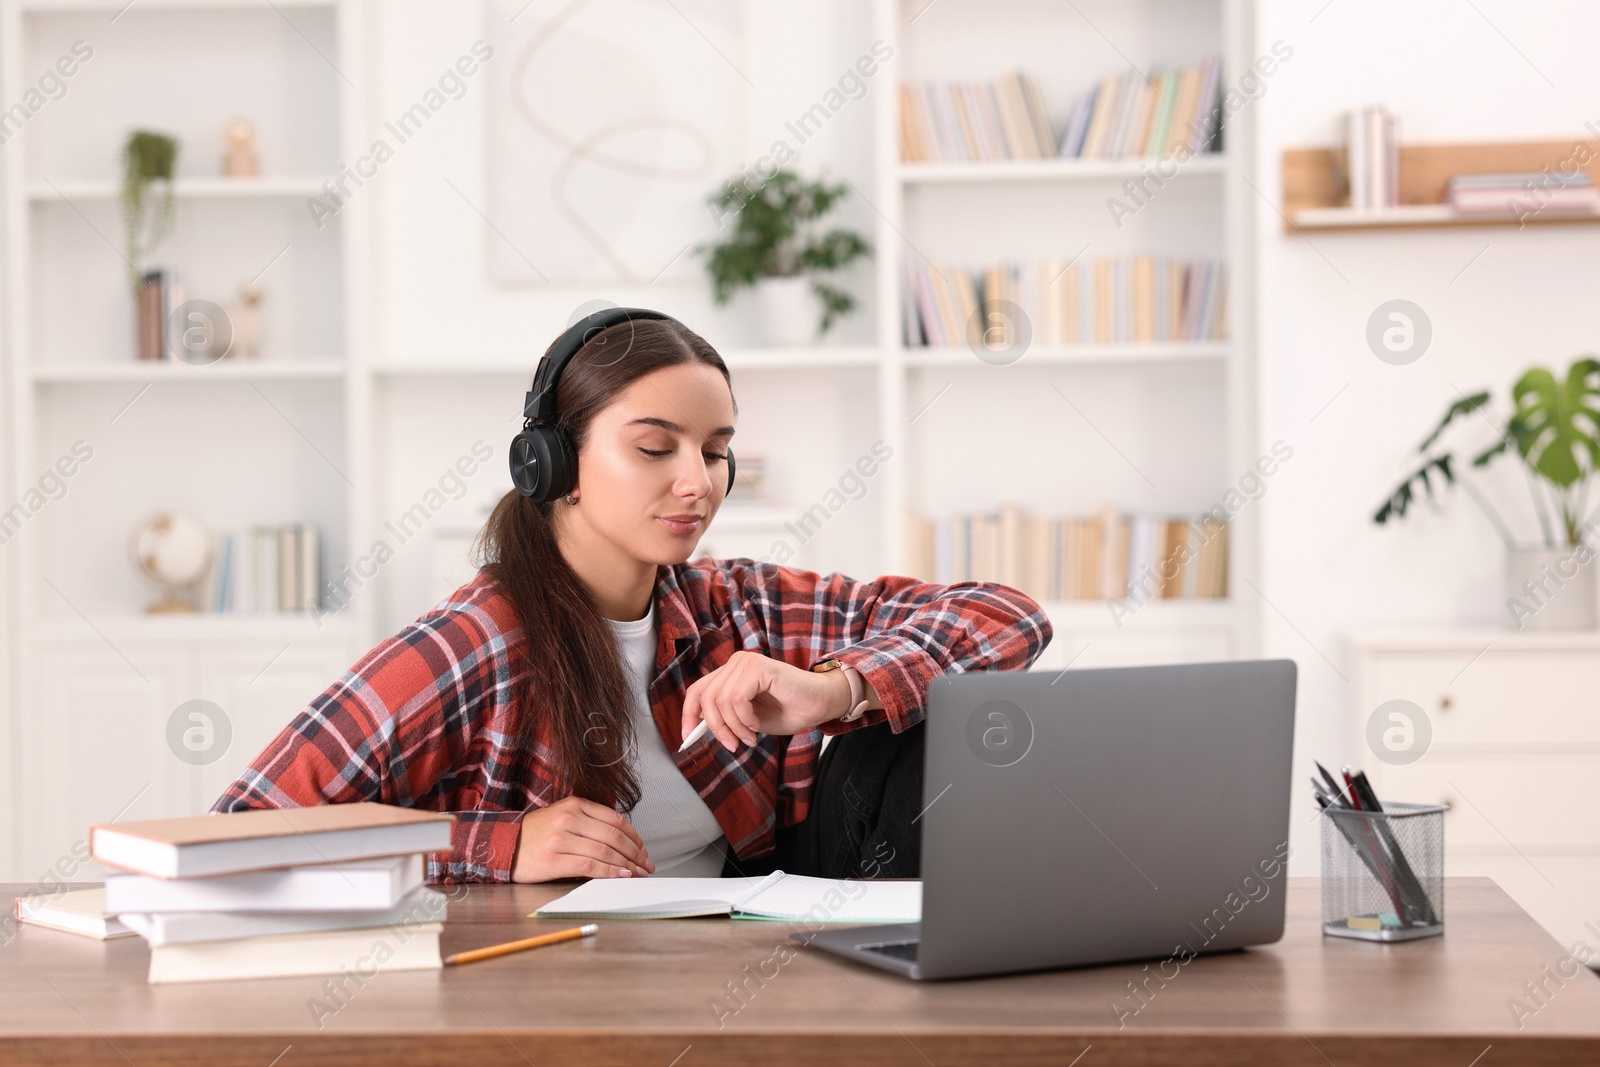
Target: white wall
{"points": [[1493, 70], [436, 301]]}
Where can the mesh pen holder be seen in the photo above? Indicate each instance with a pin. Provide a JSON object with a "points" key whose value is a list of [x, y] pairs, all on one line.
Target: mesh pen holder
{"points": [[1383, 872]]}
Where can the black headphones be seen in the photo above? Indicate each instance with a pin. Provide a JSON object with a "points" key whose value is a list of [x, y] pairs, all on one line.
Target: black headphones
{"points": [[544, 465]]}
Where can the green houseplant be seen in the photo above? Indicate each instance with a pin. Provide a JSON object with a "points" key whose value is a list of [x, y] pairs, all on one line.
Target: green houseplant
{"points": [[1554, 432], [147, 158], [776, 248]]}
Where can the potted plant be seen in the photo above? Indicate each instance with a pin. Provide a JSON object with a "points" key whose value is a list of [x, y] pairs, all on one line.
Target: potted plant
{"points": [[1554, 431], [147, 158], [775, 248]]}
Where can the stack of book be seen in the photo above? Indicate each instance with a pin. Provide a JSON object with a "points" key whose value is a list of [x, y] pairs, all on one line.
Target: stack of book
{"points": [[1147, 115], [278, 891], [265, 568], [1110, 556], [1128, 115], [963, 122], [1127, 300], [1522, 195]]}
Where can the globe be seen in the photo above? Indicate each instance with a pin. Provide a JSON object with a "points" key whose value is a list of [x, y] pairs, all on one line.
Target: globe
{"points": [[175, 551]]}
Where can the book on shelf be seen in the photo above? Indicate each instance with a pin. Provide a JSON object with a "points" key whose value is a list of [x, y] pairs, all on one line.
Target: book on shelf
{"points": [[1127, 300], [1371, 159], [1522, 194], [1112, 555], [160, 293], [265, 569], [277, 891], [1123, 116]]}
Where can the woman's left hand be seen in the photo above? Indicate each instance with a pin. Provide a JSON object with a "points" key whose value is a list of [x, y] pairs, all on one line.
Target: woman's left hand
{"points": [[752, 694]]}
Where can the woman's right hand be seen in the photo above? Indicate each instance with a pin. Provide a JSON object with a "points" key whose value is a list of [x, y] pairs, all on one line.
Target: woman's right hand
{"points": [[577, 838]]}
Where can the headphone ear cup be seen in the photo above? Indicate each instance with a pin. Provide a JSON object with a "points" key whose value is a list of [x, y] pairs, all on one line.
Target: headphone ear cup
{"points": [[730, 473], [542, 466]]}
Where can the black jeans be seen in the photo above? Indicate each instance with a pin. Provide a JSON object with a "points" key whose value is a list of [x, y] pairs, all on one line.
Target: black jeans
{"points": [[866, 798]]}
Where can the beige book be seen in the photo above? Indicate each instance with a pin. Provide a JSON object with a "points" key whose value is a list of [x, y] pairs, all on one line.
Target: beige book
{"points": [[264, 838], [1183, 110], [1093, 570], [919, 547], [1036, 576], [1144, 299], [964, 119], [1009, 546], [1014, 117], [1105, 111], [1103, 294], [362, 951], [970, 326]]}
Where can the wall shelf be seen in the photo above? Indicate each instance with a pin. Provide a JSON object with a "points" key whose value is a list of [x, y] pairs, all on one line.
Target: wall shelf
{"points": [[179, 371], [797, 358], [1054, 170], [1314, 192], [50, 7], [266, 188], [1098, 355], [190, 626]]}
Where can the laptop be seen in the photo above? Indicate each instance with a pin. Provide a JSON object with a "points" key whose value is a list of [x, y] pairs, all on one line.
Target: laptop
{"points": [[1094, 816]]}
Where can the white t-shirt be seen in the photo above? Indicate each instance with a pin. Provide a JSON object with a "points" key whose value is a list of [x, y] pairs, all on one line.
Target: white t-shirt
{"points": [[681, 835]]}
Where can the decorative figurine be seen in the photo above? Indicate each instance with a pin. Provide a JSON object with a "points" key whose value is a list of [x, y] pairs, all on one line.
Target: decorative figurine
{"points": [[240, 159]]}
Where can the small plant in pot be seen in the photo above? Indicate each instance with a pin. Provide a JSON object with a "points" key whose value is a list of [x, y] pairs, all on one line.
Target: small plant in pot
{"points": [[1554, 432], [776, 248], [147, 158]]}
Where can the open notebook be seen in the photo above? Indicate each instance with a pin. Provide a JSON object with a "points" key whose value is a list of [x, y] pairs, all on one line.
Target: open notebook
{"points": [[778, 896]]}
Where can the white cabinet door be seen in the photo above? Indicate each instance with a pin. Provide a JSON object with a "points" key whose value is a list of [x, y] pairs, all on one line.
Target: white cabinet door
{"points": [[95, 738], [256, 689]]}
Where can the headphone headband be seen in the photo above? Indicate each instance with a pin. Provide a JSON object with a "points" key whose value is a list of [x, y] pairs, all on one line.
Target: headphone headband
{"points": [[540, 403]]}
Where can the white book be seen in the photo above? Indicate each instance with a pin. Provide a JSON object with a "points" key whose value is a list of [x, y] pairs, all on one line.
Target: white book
{"points": [[75, 911], [364, 885], [309, 575], [421, 905], [264, 540], [242, 575], [777, 896], [361, 951]]}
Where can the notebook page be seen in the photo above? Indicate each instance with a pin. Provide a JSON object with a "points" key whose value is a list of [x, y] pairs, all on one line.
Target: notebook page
{"points": [[647, 897], [798, 896]]}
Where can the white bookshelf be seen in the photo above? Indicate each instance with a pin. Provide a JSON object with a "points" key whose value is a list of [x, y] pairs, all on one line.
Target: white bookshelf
{"points": [[980, 213], [236, 443]]}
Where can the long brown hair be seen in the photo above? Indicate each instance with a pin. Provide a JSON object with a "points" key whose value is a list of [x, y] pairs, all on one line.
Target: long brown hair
{"points": [[576, 676]]}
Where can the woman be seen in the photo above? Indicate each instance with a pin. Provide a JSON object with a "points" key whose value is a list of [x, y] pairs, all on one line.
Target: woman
{"points": [[544, 702]]}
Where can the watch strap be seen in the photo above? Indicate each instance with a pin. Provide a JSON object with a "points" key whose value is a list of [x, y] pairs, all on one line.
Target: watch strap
{"points": [[858, 694]]}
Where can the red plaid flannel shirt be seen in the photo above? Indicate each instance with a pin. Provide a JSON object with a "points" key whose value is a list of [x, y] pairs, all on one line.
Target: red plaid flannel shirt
{"points": [[429, 717]]}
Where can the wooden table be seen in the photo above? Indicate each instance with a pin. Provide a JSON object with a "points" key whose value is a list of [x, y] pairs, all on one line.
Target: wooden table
{"points": [[643, 992]]}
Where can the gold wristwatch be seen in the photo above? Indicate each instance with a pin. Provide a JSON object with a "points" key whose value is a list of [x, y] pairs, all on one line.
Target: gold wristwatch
{"points": [[858, 688]]}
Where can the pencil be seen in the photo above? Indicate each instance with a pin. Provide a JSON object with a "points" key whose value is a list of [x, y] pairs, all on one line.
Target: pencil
{"points": [[586, 930]]}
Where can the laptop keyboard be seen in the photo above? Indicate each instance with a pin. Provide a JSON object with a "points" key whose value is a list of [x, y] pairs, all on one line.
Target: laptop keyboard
{"points": [[902, 950]]}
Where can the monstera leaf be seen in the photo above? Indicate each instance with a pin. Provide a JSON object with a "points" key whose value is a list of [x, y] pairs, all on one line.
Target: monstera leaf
{"points": [[1557, 424]]}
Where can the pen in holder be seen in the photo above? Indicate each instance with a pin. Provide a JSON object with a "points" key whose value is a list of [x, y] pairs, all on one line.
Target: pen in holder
{"points": [[1383, 872]]}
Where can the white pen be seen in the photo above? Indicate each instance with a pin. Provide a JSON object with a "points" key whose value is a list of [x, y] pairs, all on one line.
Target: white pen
{"points": [[694, 735]]}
